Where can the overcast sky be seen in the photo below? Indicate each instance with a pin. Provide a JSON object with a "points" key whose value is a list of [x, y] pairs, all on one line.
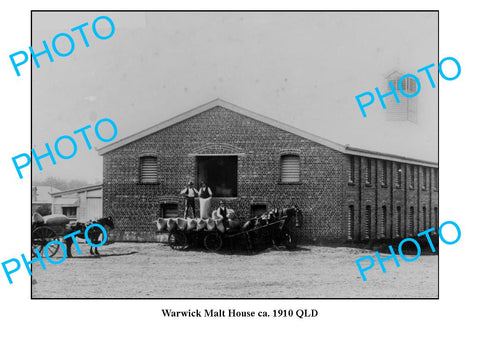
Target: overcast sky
{"points": [[303, 69]]}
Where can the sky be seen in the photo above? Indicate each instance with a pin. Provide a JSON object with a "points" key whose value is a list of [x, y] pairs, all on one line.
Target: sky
{"points": [[303, 69]]}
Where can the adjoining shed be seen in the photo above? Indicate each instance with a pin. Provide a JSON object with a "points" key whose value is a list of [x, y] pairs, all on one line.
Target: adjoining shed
{"points": [[80, 204]]}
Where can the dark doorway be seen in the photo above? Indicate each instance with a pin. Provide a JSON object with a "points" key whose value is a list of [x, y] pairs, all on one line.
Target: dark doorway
{"points": [[220, 174]]}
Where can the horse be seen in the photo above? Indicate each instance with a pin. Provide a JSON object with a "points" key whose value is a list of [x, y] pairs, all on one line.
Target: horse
{"points": [[93, 233]]}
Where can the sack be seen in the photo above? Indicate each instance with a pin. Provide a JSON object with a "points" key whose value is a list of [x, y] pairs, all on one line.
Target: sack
{"points": [[191, 224], [37, 218], [56, 219], [161, 224], [210, 224], [171, 224], [181, 223], [201, 224], [205, 204]]}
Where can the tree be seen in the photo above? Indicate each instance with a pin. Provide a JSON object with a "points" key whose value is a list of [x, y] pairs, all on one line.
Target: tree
{"points": [[62, 184]]}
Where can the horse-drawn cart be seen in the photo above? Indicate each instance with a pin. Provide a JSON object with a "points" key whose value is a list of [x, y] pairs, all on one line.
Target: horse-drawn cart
{"points": [[54, 227], [270, 229]]}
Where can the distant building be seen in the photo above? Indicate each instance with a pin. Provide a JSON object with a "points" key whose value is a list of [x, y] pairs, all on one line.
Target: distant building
{"points": [[41, 195], [256, 163], [81, 204]]}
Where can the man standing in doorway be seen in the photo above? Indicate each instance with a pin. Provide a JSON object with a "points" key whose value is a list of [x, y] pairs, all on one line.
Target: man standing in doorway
{"points": [[189, 193]]}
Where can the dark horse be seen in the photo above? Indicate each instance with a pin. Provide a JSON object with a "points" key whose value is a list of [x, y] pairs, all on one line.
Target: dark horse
{"points": [[93, 233], [274, 228]]}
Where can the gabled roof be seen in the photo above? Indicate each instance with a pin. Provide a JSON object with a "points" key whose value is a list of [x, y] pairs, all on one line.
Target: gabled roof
{"points": [[210, 105], [267, 120]]}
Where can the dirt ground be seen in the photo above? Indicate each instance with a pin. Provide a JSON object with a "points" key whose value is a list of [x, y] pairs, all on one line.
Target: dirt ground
{"points": [[153, 270]]}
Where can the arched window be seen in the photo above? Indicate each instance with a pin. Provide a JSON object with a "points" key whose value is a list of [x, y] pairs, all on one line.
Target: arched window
{"points": [[148, 169], [290, 168]]}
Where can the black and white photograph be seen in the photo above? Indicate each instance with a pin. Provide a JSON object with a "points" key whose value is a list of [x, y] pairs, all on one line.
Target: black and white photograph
{"points": [[235, 154], [236, 170]]}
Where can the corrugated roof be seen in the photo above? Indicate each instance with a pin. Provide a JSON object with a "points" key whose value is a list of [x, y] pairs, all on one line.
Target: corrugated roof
{"points": [[76, 190]]}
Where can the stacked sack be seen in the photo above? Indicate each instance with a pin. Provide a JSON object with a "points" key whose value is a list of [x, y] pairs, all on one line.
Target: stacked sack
{"points": [[197, 224]]}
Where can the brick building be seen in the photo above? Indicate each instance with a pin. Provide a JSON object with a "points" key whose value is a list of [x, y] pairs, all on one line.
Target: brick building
{"points": [[256, 163]]}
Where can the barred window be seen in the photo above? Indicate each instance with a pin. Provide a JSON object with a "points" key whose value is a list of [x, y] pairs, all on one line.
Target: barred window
{"points": [[168, 210], [399, 221], [290, 169], [383, 173], [412, 176], [398, 180], [435, 179], [411, 221], [148, 169], [368, 179], [351, 172], [383, 222], [424, 178], [350, 222], [368, 222], [424, 215]]}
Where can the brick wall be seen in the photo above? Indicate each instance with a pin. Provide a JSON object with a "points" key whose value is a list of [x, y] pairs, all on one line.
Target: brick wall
{"points": [[397, 198], [259, 146]]}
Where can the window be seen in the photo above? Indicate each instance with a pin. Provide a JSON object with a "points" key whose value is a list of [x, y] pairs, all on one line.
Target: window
{"points": [[435, 216], [383, 173], [368, 222], [383, 222], [424, 215], [70, 212], [257, 209], [220, 174], [351, 172], [350, 222], [411, 174], [148, 169], [406, 109], [398, 178], [424, 178], [409, 85], [168, 210], [399, 222], [411, 221], [368, 179], [435, 179], [290, 169]]}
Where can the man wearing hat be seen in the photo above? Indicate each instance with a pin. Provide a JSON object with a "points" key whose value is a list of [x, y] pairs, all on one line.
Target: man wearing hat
{"points": [[222, 212], [189, 193]]}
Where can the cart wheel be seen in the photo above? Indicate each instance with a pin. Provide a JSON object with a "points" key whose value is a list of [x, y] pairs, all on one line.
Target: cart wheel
{"points": [[40, 238], [177, 240], [213, 242]]}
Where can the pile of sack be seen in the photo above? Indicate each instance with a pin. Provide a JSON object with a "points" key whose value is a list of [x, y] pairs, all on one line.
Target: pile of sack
{"points": [[50, 220], [198, 224]]}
